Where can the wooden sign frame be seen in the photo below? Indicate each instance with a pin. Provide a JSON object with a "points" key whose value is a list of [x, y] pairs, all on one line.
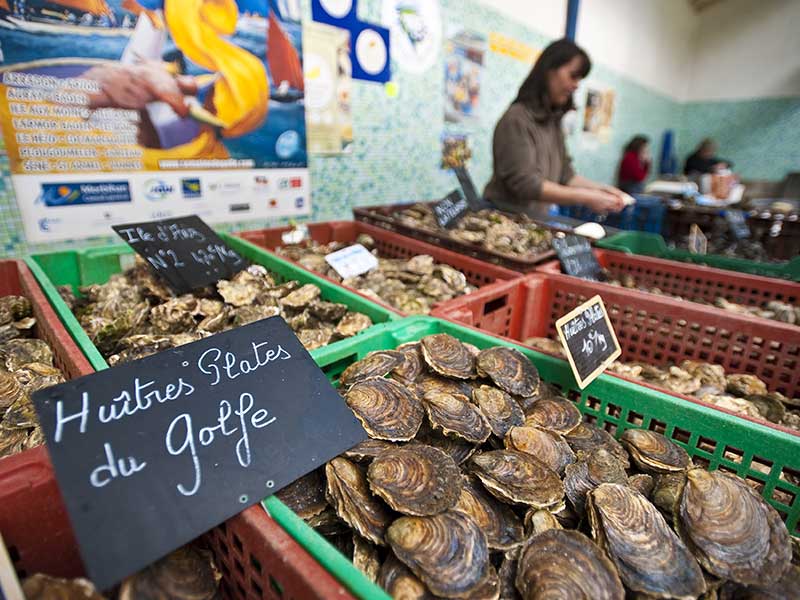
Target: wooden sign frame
{"points": [[583, 382]]}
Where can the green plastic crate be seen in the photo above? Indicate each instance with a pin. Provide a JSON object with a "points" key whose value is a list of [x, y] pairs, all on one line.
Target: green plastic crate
{"points": [[95, 265], [714, 439], [652, 244]]}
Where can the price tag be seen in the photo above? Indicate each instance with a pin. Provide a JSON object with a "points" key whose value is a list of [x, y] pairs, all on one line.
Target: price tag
{"points": [[698, 243], [184, 252], [589, 340], [737, 221], [470, 193], [151, 454], [450, 209], [576, 257], [352, 261]]}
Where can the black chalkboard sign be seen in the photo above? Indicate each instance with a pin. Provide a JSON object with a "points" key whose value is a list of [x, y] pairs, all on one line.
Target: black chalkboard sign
{"points": [[470, 193], [737, 222], [151, 454], [185, 251], [450, 209], [576, 257], [589, 339]]}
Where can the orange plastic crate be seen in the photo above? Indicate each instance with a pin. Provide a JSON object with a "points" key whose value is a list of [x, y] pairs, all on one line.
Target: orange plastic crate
{"points": [[650, 328]]}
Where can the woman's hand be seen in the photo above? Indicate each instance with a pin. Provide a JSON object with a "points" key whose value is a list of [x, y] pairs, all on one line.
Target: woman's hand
{"points": [[601, 201]]}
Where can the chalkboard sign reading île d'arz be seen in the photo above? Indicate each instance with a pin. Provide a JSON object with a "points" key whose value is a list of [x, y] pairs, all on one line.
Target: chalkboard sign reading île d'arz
{"points": [[185, 252], [153, 453], [589, 340]]}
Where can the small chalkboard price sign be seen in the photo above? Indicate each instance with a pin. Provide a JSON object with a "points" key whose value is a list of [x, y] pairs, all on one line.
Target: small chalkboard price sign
{"points": [[153, 453], [470, 193], [185, 252], [450, 209], [737, 222], [589, 340], [576, 257]]}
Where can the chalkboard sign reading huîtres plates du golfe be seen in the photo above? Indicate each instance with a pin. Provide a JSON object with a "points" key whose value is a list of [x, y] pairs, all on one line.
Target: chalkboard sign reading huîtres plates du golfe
{"points": [[185, 252], [151, 454], [589, 340]]}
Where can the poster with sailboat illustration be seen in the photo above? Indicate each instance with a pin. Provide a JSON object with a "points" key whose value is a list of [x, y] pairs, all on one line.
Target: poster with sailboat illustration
{"points": [[115, 111]]}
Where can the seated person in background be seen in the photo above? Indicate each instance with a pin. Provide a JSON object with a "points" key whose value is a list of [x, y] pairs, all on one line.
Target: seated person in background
{"points": [[635, 165], [703, 160]]}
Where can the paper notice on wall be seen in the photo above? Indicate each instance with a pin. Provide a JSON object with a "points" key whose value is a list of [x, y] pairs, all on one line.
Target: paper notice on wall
{"points": [[456, 150], [329, 84], [463, 71], [598, 113], [507, 46], [114, 113]]}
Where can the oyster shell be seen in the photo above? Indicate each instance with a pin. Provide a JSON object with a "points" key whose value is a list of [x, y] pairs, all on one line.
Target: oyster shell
{"points": [[430, 382], [448, 356], [654, 453], [500, 410], [315, 338], [498, 522], [185, 573], [375, 364], [592, 468], [518, 478], [399, 582], [244, 315], [509, 369], [412, 365], [301, 297], [352, 323], [10, 389], [586, 436], [365, 558], [14, 308], [732, 531], [328, 311], [12, 441], [537, 521], [456, 417], [448, 552], [546, 445], [175, 315], [743, 385], [387, 410], [668, 490], [556, 414], [16, 353], [455, 447], [547, 345], [415, 479], [45, 587], [566, 564], [348, 493], [305, 496], [365, 451], [642, 483], [649, 556]]}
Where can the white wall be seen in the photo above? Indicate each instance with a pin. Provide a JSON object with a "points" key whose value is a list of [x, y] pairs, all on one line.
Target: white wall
{"points": [[644, 40], [746, 49], [548, 17]]}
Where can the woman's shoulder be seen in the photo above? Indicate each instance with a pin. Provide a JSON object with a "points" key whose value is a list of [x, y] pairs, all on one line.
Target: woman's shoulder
{"points": [[516, 112]]}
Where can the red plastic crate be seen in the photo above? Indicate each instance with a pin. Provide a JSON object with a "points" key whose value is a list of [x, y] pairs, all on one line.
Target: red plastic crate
{"points": [[650, 328], [16, 279], [389, 245], [692, 282], [381, 216], [257, 558]]}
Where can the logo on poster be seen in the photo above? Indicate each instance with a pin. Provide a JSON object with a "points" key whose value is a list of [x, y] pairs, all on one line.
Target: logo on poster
{"points": [[157, 189], [299, 202], [287, 144], [273, 202], [261, 182], [225, 186], [74, 194], [190, 188], [45, 223]]}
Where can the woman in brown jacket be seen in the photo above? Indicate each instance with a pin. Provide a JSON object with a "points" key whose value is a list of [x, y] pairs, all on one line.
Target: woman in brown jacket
{"points": [[532, 168]]}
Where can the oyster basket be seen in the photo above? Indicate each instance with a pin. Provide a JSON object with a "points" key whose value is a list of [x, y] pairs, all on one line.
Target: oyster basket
{"points": [[692, 282], [650, 328], [389, 245], [713, 439], [256, 557], [95, 265], [382, 216], [651, 244]]}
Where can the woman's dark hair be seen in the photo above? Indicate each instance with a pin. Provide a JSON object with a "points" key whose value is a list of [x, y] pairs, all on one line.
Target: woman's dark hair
{"points": [[637, 143], [534, 89]]}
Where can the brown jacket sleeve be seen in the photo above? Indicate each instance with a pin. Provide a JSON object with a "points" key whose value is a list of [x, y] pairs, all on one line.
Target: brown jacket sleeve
{"points": [[515, 158], [567, 171]]}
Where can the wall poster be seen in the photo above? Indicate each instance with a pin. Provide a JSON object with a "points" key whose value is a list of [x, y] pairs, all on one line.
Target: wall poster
{"points": [[416, 30], [127, 110], [463, 70], [598, 112], [327, 68]]}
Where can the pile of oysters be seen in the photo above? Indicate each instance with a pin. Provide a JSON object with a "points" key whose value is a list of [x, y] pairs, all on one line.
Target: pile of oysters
{"points": [[134, 315], [411, 286], [775, 310], [515, 235], [740, 393], [479, 481], [26, 365], [188, 573]]}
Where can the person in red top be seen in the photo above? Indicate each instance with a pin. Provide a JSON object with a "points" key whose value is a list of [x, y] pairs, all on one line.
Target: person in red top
{"points": [[635, 165]]}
